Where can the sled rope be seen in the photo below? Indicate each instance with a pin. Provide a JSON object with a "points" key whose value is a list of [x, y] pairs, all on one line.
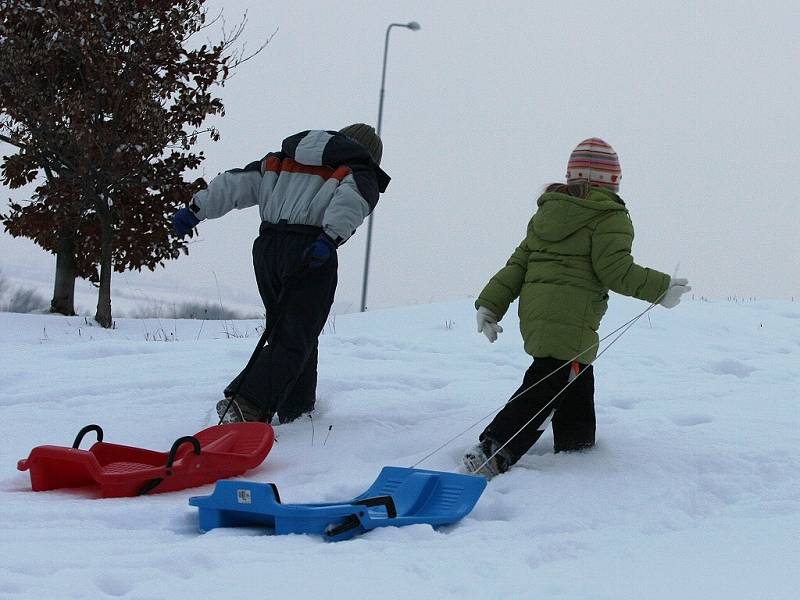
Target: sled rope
{"points": [[622, 329], [569, 383], [626, 327]]}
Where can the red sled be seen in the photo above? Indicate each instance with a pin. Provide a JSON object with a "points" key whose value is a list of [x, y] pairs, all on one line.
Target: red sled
{"points": [[207, 456]]}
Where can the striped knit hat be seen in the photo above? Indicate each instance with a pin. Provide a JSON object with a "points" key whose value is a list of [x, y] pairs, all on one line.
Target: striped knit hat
{"points": [[596, 162]]}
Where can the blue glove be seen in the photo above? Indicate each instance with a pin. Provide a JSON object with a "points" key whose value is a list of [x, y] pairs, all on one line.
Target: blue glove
{"points": [[318, 253], [184, 221]]}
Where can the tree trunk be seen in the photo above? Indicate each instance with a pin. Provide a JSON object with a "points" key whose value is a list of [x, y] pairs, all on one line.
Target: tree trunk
{"points": [[63, 301], [103, 315]]}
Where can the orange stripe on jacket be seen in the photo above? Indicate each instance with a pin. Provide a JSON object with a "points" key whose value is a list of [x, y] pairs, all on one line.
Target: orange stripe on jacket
{"points": [[288, 165]]}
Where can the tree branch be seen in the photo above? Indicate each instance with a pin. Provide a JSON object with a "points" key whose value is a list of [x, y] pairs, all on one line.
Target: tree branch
{"points": [[11, 142]]}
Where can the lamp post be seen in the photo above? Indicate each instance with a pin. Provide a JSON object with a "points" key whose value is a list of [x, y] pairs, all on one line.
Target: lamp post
{"points": [[413, 26]]}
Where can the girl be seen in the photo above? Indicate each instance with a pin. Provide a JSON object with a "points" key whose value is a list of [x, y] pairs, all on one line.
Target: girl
{"points": [[577, 248]]}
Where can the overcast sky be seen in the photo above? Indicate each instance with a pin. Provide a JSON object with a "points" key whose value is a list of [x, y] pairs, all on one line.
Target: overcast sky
{"points": [[701, 100]]}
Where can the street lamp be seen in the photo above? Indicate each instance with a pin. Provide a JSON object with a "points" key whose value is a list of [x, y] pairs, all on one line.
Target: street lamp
{"points": [[413, 26]]}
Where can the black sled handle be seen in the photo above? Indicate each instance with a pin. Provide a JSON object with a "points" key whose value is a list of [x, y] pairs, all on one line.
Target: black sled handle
{"points": [[353, 522], [84, 431], [385, 501], [187, 439], [152, 484]]}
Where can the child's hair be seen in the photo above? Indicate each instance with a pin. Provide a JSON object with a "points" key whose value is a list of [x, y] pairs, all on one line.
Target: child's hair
{"points": [[577, 189]]}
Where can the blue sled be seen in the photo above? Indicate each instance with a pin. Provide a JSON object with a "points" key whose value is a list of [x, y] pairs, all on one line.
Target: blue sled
{"points": [[398, 497]]}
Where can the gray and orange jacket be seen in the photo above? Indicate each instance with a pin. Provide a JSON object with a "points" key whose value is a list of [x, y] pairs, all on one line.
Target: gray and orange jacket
{"points": [[319, 178]]}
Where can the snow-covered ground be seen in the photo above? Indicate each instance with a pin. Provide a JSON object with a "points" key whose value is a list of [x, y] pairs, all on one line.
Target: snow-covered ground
{"points": [[693, 490]]}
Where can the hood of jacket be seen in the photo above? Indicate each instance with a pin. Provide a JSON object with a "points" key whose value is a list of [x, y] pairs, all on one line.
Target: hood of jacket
{"points": [[318, 147], [560, 215]]}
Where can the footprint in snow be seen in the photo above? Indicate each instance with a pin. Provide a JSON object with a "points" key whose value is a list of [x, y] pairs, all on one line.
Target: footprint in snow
{"points": [[623, 403], [9, 587], [691, 420], [113, 585], [731, 367]]}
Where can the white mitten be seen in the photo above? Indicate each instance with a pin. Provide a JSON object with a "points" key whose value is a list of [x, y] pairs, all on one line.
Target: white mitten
{"points": [[678, 286], [487, 324]]}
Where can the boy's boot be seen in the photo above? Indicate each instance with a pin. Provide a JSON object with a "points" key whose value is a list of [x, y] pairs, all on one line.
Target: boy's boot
{"points": [[241, 411]]}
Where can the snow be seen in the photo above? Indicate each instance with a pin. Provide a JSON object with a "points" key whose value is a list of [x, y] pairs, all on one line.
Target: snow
{"points": [[693, 490]]}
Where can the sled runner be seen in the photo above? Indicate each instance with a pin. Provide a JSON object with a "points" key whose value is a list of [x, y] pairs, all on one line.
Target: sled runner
{"points": [[211, 454], [399, 496]]}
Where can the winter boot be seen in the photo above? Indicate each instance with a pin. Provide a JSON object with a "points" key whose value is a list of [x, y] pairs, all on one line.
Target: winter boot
{"points": [[572, 446], [484, 460], [241, 411], [292, 414]]}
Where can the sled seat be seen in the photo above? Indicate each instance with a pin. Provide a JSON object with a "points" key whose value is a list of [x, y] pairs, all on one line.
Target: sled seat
{"points": [[398, 497], [207, 456]]}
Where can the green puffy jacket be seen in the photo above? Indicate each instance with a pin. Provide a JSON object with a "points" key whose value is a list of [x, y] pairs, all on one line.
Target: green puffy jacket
{"points": [[575, 251]]}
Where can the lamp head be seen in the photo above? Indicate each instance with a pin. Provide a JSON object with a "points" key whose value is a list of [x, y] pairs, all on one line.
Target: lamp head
{"points": [[413, 26]]}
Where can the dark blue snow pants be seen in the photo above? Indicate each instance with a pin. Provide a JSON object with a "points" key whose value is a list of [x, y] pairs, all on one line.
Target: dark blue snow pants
{"points": [[283, 380], [572, 411]]}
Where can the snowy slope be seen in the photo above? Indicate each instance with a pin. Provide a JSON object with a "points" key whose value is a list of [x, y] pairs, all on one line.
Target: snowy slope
{"points": [[693, 490]]}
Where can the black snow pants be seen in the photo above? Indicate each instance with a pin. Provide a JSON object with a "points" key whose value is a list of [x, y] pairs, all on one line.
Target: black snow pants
{"points": [[283, 379], [572, 412]]}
